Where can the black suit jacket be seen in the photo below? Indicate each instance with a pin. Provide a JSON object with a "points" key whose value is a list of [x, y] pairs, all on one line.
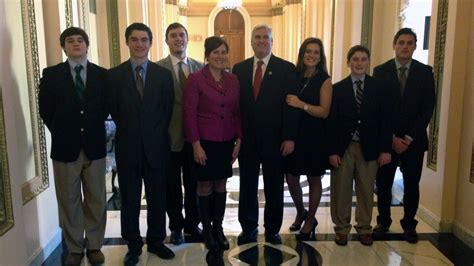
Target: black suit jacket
{"points": [[411, 111], [373, 121], [267, 121], [74, 124], [142, 125]]}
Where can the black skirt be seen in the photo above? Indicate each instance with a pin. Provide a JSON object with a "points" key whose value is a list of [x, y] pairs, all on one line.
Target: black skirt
{"points": [[218, 164]]}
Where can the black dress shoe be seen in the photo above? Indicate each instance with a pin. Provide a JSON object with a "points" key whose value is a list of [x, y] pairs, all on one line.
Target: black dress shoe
{"points": [[176, 238], [161, 251], [411, 236], [274, 239], [379, 231], [132, 257], [247, 237], [195, 233]]}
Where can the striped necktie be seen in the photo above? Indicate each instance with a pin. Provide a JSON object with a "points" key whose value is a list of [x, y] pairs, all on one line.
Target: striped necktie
{"points": [[359, 94]]}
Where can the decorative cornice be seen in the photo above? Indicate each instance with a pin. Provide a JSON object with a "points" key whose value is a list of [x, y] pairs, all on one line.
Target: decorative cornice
{"points": [[172, 2], [183, 11], [277, 10], [290, 2]]}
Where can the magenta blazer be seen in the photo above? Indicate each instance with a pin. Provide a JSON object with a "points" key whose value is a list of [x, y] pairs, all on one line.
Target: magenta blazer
{"points": [[210, 112]]}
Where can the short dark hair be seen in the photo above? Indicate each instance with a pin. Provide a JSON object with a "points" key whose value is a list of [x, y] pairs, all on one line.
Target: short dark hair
{"points": [[357, 48], [321, 66], [212, 43], [140, 27], [403, 31], [73, 31], [173, 26]]}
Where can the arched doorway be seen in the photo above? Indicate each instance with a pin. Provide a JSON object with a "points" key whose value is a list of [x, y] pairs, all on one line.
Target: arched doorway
{"points": [[231, 26]]}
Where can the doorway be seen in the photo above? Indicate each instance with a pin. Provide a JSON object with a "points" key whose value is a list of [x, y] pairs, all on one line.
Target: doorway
{"points": [[230, 25]]}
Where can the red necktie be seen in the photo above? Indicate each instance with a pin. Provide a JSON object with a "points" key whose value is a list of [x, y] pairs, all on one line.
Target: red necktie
{"points": [[257, 81]]}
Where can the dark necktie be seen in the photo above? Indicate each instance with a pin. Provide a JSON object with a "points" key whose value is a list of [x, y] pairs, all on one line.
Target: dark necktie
{"points": [[359, 94], [80, 88], [257, 81], [358, 98], [402, 79], [139, 80], [181, 76]]}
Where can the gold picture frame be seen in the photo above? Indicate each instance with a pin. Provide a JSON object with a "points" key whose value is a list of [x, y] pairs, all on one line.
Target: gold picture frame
{"points": [[40, 181], [6, 207], [438, 68]]}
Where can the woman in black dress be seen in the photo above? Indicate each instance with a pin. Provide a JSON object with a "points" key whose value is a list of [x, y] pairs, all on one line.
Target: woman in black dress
{"points": [[310, 156]]}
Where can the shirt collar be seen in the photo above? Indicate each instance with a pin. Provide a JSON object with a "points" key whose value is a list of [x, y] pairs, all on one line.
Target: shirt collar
{"points": [[407, 65], [356, 79], [73, 63], [265, 59], [175, 60], [134, 64]]}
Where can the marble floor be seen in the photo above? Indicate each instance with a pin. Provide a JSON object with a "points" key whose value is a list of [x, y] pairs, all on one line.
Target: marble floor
{"points": [[432, 249]]}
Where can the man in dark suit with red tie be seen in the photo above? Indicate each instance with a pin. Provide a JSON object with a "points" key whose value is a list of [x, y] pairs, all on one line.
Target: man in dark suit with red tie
{"points": [[412, 90], [269, 127], [71, 106], [140, 95]]}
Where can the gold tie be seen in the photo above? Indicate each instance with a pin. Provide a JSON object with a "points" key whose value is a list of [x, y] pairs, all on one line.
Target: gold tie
{"points": [[402, 79]]}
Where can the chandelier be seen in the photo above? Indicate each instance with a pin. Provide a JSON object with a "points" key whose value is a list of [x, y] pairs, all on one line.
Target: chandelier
{"points": [[229, 4]]}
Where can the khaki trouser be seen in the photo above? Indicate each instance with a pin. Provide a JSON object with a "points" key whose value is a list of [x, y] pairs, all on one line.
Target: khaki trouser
{"points": [[353, 167], [76, 215]]}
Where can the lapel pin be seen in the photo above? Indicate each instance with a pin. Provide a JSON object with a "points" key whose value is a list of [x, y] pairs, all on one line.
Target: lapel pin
{"points": [[270, 73]]}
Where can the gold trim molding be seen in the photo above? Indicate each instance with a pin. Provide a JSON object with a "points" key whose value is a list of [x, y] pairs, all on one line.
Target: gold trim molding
{"points": [[367, 18], [113, 31], [6, 206], [472, 165], [438, 69], [68, 11], [33, 75]]}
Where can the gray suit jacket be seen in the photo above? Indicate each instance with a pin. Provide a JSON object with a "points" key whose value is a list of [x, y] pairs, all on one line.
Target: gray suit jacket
{"points": [[176, 128]]}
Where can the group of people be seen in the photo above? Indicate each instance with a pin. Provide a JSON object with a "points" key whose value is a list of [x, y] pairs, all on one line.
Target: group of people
{"points": [[182, 123]]}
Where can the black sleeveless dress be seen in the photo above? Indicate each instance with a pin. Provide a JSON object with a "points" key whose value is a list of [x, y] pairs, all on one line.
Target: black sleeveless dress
{"points": [[310, 156]]}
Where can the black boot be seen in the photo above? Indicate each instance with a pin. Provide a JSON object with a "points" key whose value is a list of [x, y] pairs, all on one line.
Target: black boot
{"points": [[204, 208], [219, 210]]}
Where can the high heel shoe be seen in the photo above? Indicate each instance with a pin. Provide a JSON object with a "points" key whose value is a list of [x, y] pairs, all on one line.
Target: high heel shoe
{"points": [[295, 226], [307, 236]]}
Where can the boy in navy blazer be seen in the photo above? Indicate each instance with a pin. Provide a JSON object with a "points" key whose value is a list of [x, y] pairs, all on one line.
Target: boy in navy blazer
{"points": [[71, 104], [359, 141]]}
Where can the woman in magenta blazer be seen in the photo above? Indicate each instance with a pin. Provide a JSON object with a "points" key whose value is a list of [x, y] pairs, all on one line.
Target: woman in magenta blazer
{"points": [[212, 124]]}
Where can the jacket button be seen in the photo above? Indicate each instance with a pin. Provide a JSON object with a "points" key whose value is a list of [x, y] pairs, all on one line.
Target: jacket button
{"points": [[358, 121], [82, 112], [82, 129]]}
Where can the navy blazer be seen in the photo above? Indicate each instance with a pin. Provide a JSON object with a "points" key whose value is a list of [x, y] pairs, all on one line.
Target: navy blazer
{"points": [[142, 124], [373, 121], [268, 120], [412, 111], [74, 124]]}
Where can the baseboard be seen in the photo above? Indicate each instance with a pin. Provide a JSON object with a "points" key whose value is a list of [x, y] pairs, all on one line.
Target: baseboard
{"points": [[464, 234], [441, 226], [41, 254]]}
